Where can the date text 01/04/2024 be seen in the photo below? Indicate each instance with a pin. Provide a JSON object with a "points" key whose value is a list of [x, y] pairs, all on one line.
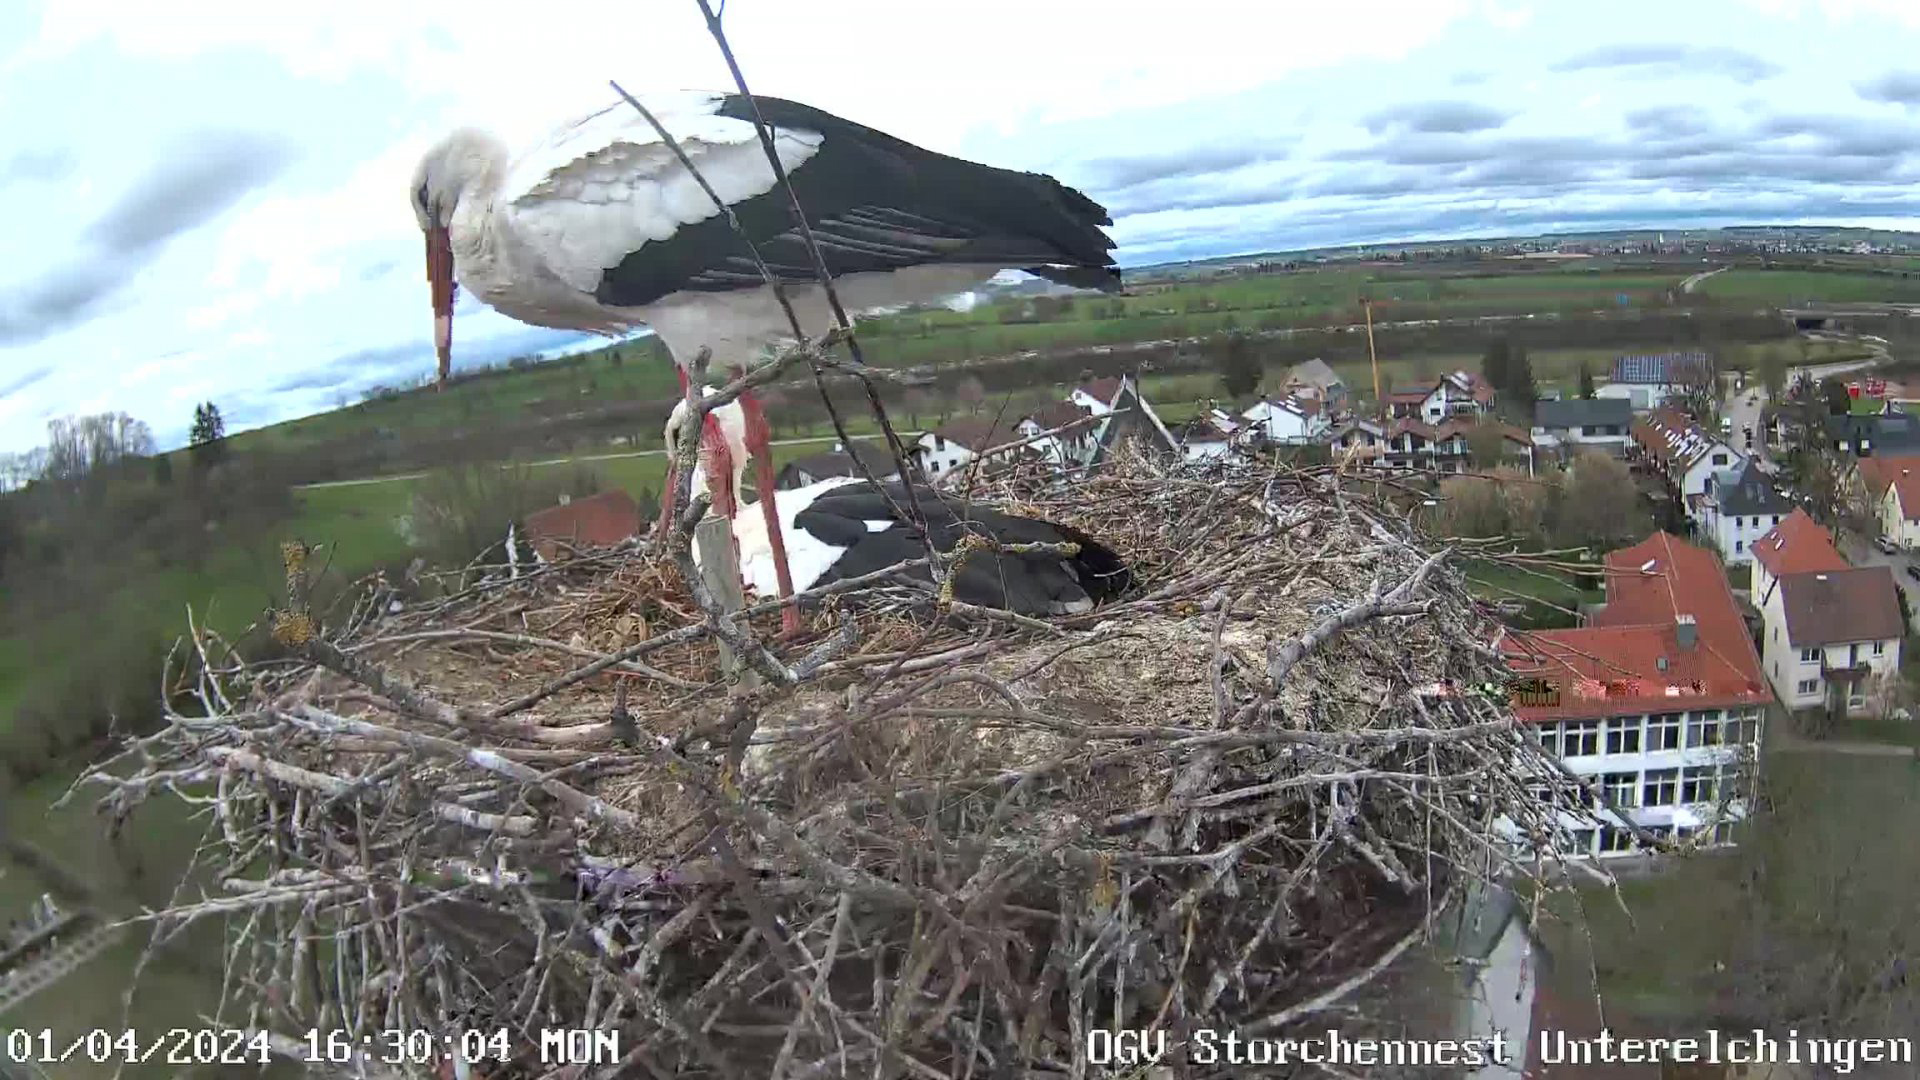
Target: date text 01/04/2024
{"points": [[175, 1046]]}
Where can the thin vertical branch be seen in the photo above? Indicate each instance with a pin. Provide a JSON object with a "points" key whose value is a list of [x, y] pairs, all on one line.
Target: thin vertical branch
{"points": [[912, 513], [826, 278]]}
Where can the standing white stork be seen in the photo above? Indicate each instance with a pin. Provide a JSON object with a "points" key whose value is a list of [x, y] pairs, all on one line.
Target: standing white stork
{"points": [[601, 228]]}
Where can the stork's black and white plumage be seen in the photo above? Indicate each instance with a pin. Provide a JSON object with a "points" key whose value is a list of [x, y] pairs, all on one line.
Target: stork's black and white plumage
{"points": [[842, 528], [601, 228]]}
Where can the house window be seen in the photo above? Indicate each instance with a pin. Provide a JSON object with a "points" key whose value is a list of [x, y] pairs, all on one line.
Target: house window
{"points": [[1623, 736], [1807, 686], [1580, 738], [1739, 546], [1776, 519], [1703, 728], [1719, 459], [1622, 788], [1699, 784], [1615, 840], [1659, 787], [1879, 648], [1663, 732], [1549, 736], [1578, 842], [1809, 656]]}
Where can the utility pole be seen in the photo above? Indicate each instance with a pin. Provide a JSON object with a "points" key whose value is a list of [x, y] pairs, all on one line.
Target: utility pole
{"points": [[1379, 397]]}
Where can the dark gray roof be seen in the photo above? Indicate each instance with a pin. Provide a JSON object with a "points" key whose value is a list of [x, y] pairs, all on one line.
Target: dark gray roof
{"points": [[1885, 434], [1659, 369], [1750, 492], [838, 463], [1583, 412]]}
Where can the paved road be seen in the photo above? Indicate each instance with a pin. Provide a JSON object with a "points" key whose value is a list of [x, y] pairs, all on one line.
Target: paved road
{"points": [[1688, 285], [1743, 408]]}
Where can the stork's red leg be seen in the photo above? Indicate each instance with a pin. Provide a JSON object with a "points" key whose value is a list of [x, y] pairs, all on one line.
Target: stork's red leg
{"points": [[759, 439], [670, 495]]}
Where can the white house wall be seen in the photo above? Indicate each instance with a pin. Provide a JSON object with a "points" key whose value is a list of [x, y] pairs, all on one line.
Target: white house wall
{"points": [[1790, 673], [1715, 742]]}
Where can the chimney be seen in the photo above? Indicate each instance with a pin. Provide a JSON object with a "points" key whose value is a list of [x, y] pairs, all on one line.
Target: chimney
{"points": [[1686, 631]]}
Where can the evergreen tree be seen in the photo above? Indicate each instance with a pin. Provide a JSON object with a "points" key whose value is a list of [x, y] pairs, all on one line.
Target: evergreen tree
{"points": [[1496, 366], [207, 437], [1240, 370], [1586, 381]]}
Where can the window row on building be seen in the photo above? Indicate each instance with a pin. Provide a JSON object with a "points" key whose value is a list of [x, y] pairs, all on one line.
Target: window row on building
{"points": [[1691, 785], [1613, 840], [1648, 734]]}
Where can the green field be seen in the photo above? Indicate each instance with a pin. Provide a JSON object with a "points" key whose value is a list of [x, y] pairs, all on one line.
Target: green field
{"points": [[1791, 288], [1821, 869]]}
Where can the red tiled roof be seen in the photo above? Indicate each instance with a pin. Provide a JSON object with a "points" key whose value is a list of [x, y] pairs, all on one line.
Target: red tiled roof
{"points": [[1612, 665], [1906, 488], [1102, 390], [601, 520], [1798, 545], [1058, 414]]}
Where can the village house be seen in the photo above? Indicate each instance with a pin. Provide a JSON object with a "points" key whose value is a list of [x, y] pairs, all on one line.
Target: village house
{"points": [[1098, 396], [1580, 424], [1798, 545], [1314, 380], [1886, 489], [1657, 702], [1122, 415], [575, 525], [1062, 447], [1681, 453], [1203, 439], [837, 463], [1454, 394], [1286, 421], [955, 444], [1829, 629], [1861, 435], [1829, 635], [1738, 508], [1646, 382], [1410, 444]]}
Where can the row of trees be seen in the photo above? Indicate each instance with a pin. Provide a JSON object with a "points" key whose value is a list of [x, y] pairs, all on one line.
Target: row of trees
{"points": [[1593, 503]]}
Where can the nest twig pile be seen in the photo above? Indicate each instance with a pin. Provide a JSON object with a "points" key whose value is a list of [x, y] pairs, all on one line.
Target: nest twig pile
{"points": [[929, 840]]}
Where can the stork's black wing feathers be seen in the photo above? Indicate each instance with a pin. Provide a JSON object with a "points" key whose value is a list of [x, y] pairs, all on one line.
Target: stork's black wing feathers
{"points": [[874, 203], [1029, 583]]}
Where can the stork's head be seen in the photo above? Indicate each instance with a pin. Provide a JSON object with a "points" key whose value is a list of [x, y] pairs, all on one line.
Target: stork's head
{"points": [[452, 169]]}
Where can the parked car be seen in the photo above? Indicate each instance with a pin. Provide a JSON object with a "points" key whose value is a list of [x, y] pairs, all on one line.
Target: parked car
{"points": [[1913, 571], [1886, 545]]}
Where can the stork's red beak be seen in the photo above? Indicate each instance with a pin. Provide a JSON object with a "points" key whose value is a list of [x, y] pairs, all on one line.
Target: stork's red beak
{"points": [[440, 280]]}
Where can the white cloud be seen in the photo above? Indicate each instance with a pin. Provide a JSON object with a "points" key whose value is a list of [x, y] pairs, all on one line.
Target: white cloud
{"points": [[1236, 126]]}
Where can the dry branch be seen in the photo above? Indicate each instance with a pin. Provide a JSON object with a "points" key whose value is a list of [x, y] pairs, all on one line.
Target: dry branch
{"points": [[954, 841]]}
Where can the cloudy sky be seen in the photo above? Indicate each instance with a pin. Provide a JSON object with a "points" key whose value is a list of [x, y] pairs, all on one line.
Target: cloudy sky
{"points": [[205, 201]]}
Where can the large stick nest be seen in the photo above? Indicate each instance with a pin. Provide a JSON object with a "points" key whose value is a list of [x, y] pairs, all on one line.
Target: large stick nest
{"points": [[957, 839]]}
